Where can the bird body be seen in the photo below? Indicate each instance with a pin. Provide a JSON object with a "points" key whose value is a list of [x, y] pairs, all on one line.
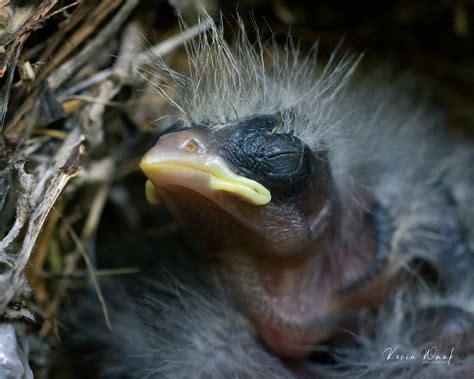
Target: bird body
{"points": [[321, 212]]}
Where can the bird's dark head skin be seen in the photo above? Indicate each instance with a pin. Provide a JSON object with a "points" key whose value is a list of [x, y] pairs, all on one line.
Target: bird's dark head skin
{"points": [[264, 205]]}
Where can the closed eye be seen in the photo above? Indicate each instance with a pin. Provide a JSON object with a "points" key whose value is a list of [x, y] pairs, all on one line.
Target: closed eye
{"points": [[284, 154]]}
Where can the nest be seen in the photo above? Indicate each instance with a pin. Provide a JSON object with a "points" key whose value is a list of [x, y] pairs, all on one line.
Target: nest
{"points": [[75, 118]]}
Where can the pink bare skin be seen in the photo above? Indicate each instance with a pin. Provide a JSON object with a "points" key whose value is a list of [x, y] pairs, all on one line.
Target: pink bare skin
{"points": [[287, 261]]}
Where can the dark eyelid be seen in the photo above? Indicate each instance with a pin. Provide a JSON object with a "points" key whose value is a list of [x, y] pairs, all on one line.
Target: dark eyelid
{"points": [[283, 154]]}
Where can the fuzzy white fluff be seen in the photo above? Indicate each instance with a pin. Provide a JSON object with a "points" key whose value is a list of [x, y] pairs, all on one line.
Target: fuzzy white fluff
{"points": [[392, 348], [182, 324], [371, 131], [380, 139]]}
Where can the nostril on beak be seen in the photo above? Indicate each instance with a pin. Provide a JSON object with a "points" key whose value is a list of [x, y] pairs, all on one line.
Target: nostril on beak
{"points": [[193, 146]]}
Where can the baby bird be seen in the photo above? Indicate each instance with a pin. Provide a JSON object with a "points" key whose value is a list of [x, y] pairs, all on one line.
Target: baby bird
{"points": [[323, 217]]}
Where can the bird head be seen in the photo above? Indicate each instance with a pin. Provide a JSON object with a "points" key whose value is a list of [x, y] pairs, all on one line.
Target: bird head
{"points": [[243, 188]]}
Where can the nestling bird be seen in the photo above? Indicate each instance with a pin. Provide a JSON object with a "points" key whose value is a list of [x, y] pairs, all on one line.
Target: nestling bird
{"points": [[323, 217]]}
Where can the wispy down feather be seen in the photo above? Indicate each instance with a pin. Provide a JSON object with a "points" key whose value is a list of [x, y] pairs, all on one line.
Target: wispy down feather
{"points": [[378, 137], [227, 83]]}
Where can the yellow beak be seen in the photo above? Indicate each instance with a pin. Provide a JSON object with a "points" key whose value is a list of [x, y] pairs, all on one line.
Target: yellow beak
{"points": [[205, 174]]}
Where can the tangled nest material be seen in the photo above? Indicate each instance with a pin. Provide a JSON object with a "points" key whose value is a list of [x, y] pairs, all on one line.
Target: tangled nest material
{"points": [[52, 135]]}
